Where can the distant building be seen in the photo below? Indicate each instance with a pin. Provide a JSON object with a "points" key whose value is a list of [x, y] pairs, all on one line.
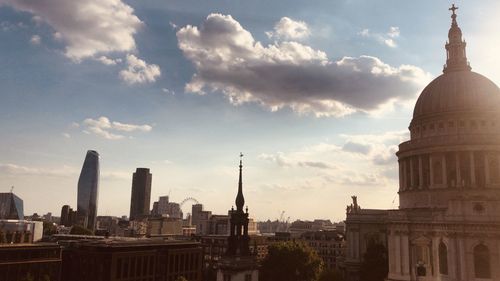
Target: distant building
{"points": [[68, 216], [330, 246], [36, 262], [141, 194], [163, 207], [20, 231], [200, 219], [131, 259], [164, 226], [11, 207], [238, 263], [88, 191]]}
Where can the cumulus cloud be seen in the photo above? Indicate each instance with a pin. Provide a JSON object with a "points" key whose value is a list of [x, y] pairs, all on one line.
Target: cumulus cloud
{"points": [[288, 28], [138, 71], [36, 40], [388, 38], [290, 74], [108, 61], [355, 147], [87, 27], [111, 130]]}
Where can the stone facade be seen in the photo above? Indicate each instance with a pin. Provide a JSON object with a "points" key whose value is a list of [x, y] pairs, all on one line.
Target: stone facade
{"points": [[447, 226]]}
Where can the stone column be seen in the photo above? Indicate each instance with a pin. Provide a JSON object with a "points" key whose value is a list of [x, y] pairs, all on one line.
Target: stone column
{"points": [[420, 173], [401, 175], [462, 259], [435, 255], [412, 174], [431, 171], [405, 252], [486, 168], [445, 174], [472, 170], [397, 253], [457, 166], [356, 244]]}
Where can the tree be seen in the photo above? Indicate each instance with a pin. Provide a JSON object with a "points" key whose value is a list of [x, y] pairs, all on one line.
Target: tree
{"points": [[331, 275], [375, 266], [80, 230], [290, 261]]}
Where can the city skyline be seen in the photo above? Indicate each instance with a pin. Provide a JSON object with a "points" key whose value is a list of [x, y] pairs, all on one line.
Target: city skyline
{"points": [[147, 100]]}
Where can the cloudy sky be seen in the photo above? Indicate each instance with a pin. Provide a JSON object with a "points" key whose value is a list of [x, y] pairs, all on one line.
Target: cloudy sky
{"points": [[316, 94]]}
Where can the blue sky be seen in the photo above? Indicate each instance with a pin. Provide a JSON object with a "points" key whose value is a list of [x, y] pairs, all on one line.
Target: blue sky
{"points": [[316, 94]]}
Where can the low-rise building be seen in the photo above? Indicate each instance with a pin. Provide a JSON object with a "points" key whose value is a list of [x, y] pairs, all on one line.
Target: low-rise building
{"points": [[36, 262], [131, 259], [330, 246], [20, 231]]}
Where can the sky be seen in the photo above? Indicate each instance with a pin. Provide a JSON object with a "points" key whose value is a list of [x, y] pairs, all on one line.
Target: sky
{"points": [[316, 95]]}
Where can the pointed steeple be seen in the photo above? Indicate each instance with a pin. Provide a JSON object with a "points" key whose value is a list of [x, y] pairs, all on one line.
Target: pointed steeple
{"points": [[240, 200], [456, 57]]}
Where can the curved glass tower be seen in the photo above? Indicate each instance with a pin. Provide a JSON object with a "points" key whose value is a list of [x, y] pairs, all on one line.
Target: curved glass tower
{"points": [[88, 189]]}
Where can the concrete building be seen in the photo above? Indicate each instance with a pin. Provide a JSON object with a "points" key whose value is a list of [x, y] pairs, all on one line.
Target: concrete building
{"points": [[20, 231], [88, 191], [36, 262], [165, 208], [11, 207], [447, 226], [330, 246], [164, 226], [141, 194], [131, 259]]}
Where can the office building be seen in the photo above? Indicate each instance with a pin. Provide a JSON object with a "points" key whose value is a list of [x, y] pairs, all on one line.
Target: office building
{"points": [[11, 207], [141, 194], [88, 191]]}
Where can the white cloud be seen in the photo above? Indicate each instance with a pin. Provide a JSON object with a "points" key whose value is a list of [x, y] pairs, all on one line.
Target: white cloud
{"points": [[36, 40], [290, 74], [108, 61], [388, 38], [107, 129], [288, 28], [66, 135], [138, 71], [167, 91], [19, 170], [87, 27]]}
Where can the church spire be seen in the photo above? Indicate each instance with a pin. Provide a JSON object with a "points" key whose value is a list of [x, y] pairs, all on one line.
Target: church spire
{"points": [[240, 200], [456, 58]]}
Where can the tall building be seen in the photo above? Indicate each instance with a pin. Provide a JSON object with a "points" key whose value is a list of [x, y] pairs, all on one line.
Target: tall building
{"points": [[141, 194], [238, 263], [11, 206], [88, 191], [447, 226]]}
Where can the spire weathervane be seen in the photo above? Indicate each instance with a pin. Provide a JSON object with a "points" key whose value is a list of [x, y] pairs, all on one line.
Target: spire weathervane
{"points": [[456, 58], [240, 200], [453, 9]]}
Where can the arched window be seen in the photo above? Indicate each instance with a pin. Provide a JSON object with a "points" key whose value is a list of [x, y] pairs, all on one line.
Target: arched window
{"points": [[443, 258], [482, 261]]}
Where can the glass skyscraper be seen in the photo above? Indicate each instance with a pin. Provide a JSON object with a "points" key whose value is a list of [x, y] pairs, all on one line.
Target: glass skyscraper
{"points": [[11, 207], [88, 190]]}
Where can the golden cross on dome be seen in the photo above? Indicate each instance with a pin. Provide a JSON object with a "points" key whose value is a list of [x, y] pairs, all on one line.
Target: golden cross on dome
{"points": [[453, 8]]}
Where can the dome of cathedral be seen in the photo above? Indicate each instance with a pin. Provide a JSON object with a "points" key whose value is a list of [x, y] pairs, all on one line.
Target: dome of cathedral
{"points": [[458, 91]]}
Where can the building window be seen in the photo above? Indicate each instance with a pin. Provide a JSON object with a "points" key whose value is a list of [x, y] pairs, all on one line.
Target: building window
{"points": [[482, 261], [248, 277], [443, 259], [227, 277]]}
